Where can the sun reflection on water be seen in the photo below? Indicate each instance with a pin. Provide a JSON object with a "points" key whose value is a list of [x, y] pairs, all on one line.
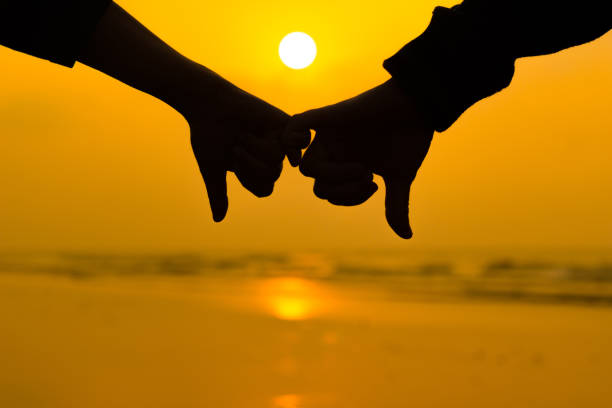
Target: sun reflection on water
{"points": [[287, 401], [291, 298]]}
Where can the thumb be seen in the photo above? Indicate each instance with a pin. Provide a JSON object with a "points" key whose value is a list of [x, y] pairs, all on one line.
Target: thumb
{"points": [[396, 205], [216, 186], [297, 133]]}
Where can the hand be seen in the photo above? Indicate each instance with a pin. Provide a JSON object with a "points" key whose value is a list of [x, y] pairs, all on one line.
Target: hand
{"points": [[380, 131], [232, 130]]}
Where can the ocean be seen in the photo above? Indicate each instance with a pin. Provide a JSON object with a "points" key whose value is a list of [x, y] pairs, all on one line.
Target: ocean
{"points": [[249, 329]]}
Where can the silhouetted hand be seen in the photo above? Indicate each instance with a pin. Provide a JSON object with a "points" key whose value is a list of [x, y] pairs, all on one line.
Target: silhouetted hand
{"points": [[380, 131], [232, 130]]}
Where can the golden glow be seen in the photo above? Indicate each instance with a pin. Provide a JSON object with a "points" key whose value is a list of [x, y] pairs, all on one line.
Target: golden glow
{"points": [[291, 308], [74, 340], [89, 163], [290, 298], [297, 50], [287, 401]]}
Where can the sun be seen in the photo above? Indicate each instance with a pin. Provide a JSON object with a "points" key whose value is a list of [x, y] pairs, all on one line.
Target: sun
{"points": [[297, 50]]}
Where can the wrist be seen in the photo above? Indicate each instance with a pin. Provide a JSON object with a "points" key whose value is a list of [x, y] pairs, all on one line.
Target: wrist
{"points": [[451, 66], [177, 83], [404, 98], [190, 85]]}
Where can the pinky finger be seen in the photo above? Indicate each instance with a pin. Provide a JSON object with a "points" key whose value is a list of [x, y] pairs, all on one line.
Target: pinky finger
{"points": [[346, 194]]}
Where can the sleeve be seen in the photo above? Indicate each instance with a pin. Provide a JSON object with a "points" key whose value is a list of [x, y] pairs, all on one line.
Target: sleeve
{"points": [[468, 52], [55, 30]]}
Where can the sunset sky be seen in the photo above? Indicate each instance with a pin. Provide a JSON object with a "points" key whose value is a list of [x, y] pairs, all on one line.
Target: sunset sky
{"points": [[89, 163]]}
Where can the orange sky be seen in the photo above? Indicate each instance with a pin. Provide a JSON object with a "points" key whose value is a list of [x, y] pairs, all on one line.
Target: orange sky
{"points": [[90, 163]]}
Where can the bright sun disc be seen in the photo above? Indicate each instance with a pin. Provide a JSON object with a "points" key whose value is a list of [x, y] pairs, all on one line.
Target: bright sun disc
{"points": [[297, 50]]}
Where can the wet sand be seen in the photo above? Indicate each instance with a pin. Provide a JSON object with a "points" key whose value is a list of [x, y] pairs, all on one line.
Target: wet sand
{"points": [[290, 342]]}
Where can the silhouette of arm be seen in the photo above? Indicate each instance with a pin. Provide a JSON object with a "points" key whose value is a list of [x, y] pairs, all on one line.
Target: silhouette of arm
{"points": [[467, 53], [55, 30], [231, 130]]}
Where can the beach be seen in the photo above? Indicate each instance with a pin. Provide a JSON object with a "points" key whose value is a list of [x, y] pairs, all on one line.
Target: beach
{"points": [[304, 330]]}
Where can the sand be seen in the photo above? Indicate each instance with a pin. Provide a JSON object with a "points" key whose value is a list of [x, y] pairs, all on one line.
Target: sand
{"points": [[288, 342]]}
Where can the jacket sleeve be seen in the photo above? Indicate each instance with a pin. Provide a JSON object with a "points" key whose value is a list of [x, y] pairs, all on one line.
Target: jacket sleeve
{"points": [[56, 30], [468, 52]]}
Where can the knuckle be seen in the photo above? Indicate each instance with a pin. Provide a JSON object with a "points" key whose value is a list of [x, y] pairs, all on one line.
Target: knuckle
{"points": [[320, 191], [277, 172], [306, 168], [279, 156], [263, 191], [304, 142]]}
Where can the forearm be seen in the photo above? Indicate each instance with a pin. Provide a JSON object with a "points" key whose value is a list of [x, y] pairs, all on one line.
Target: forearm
{"points": [[124, 49], [467, 53], [54, 30], [537, 27]]}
